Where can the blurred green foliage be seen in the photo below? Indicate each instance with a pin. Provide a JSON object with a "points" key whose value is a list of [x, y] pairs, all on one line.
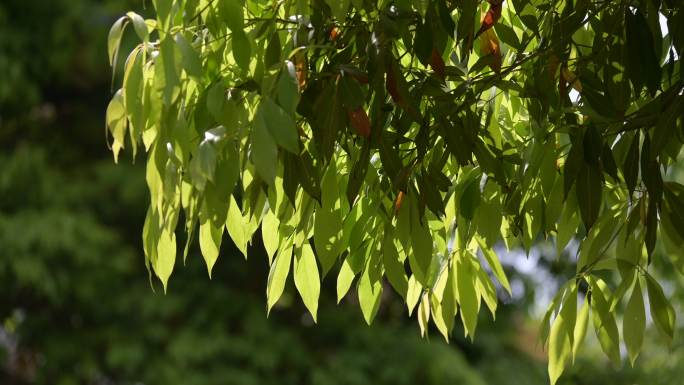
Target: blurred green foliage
{"points": [[75, 303], [84, 312]]}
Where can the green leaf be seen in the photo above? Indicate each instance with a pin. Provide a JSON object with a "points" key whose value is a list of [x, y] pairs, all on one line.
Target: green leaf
{"points": [[351, 93], [424, 313], [163, 9], [277, 275], [467, 296], [666, 127], [589, 194], [328, 222], [488, 222], [554, 204], [420, 257], [288, 89], [206, 159], [369, 292], [630, 167], [216, 98], [552, 309], [139, 25], [627, 283], [114, 39], [264, 152], [166, 70], [486, 290], [236, 227], [470, 199], [561, 336], [422, 43], [232, 12], [661, 310], [604, 321], [133, 92], [567, 225], [495, 265], [448, 306], [242, 50], [210, 242], [507, 35], [394, 267], [280, 125], [306, 278], [273, 50], [643, 63], [339, 9], [326, 115], [634, 323], [217, 193], [413, 294], [673, 210], [580, 331], [116, 123], [192, 63], [166, 256], [344, 279], [269, 234], [358, 174]]}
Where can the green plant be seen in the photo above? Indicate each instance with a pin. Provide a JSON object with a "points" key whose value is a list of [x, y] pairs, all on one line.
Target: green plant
{"points": [[404, 139]]}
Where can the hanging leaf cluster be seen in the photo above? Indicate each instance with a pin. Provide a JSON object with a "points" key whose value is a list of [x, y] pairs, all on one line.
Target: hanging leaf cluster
{"points": [[402, 140]]}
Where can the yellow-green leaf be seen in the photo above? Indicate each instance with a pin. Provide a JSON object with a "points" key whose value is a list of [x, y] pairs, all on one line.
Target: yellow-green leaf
{"points": [[210, 242], [661, 310], [166, 256], [277, 275], [116, 123], [236, 226], [634, 323], [306, 278], [269, 234]]}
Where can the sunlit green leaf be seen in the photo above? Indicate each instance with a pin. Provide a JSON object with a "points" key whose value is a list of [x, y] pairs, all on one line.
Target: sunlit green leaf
{"points": [[634, 323], [210, 242], [306, 278], [277, 275]]}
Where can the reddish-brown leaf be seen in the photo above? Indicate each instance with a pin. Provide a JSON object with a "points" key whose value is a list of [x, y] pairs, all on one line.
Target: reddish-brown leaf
{"points": [[552, 65], [334, 33], [398, 201], [491, 17], [359, 120], [437, 63], [300, 68], [489, 45], [571, 78], [391, 85]]}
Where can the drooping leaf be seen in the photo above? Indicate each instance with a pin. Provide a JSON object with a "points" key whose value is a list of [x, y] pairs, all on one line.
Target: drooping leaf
{"points": [[581, 324], [604, 322], [264, 150], [589, 194], [114, 39], [277, 275], [242, 50], [116, 123], [280, 125], [210, 242], [561, 336], [644, 67], [634, 323], [468, 298], [306, 278], [661, 310]]}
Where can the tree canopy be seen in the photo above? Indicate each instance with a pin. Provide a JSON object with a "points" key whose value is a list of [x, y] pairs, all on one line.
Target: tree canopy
{"points": [[406, 140]]}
